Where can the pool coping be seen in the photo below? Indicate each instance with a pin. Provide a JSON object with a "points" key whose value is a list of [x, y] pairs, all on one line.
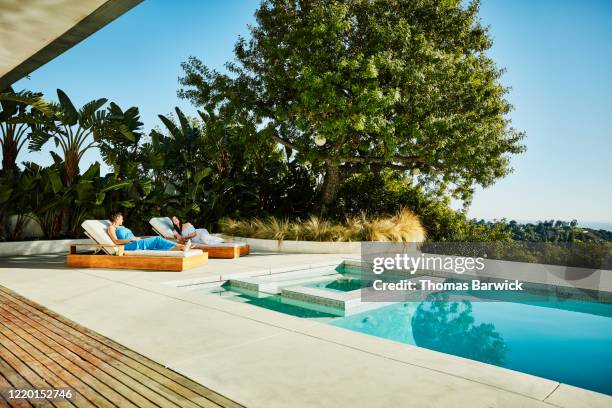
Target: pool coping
{"points": [[74, 293], [488, 374]]}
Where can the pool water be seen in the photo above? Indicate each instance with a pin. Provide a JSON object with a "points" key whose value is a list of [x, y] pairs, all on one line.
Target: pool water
{"points": [[565, 341], [339, 285]]}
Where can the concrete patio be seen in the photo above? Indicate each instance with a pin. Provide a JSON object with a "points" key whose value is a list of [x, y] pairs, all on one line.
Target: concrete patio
{"points": [[261, 358]]}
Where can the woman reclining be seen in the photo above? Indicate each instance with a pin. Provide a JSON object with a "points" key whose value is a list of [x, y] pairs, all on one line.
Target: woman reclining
{"points": [[185, 232], [124, 236]]}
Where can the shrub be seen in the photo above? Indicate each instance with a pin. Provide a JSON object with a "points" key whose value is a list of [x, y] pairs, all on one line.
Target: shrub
{"points": [[385, 193], [404, 226]]}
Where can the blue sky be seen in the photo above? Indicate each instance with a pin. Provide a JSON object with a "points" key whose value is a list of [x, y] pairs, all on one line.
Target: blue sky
{"points": [[557, 54]]}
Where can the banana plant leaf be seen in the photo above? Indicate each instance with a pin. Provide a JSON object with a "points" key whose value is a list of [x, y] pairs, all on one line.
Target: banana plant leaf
{"points": [[56, 181], [70, 114], [117, 186], [92, 172], [5, 195]]}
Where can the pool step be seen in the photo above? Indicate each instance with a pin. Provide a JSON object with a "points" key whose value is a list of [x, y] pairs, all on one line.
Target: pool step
{"points": [[332, 299], [272, 284]]}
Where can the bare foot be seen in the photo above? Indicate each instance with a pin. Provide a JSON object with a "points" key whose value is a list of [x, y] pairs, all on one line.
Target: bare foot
{"points": [[187, 245]]}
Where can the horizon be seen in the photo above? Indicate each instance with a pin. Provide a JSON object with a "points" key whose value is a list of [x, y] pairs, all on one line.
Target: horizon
{"points": [[561, 90]]}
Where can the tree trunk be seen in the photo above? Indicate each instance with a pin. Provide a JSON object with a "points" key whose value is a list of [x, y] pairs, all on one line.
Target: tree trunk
{"points": [[71, 166], [331, 183], [9, 150]]}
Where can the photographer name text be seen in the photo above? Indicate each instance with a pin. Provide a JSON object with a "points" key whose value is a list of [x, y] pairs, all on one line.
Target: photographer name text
{"points": [[429, 285]]}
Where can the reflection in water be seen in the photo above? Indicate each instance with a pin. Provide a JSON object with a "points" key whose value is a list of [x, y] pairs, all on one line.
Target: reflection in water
{"points": [[449, 327]]}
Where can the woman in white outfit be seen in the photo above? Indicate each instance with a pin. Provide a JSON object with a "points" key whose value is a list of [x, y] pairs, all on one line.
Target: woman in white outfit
{"points": [[185, 232]]}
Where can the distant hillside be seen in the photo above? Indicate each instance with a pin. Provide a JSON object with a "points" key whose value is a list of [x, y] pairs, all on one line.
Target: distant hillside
{"points": [[551, 231]]}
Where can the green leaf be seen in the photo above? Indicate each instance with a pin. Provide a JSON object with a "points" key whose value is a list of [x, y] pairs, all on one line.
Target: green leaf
{"points": [[146, 186], [172, 128], [92, 171], [200, 175], [186, 128], [25, 98], [127, 204], [87, 113], [56, 181], [37, 140], [71, 115], [100, 198], [117, 186], [56, 158], [5, 194]]}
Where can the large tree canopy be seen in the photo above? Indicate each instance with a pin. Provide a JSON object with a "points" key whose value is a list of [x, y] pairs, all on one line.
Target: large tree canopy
{"points": [[361, 85]]}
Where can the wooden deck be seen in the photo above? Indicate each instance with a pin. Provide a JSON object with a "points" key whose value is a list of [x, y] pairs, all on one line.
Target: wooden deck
{"points": [[40, 349]]}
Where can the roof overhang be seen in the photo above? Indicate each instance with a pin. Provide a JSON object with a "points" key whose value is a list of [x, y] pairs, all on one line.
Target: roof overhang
{"points": [[33, 32]]}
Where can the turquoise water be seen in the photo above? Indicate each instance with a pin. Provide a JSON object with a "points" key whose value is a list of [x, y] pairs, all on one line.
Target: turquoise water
{"points": [[339, 285], [566, 341], [569, 341]]}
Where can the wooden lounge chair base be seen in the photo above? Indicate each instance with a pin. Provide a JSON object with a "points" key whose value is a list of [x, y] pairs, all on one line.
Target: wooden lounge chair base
{"points": [[155, 263], [227, 252]]}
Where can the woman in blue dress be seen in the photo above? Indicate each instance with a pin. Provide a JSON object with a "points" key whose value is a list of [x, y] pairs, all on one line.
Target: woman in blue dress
{"points": [[124, 236]]}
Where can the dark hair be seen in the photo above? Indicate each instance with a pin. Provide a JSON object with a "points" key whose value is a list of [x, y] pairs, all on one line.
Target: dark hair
{"points": [[178, 228], [115, 215]]}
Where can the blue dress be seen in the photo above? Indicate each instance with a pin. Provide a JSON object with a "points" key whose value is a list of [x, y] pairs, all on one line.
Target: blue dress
{"points": [[151, 243]]}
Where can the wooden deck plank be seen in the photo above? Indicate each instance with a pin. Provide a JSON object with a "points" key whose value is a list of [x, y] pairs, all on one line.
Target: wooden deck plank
{"points": [[127, 376], [67, 374], [167, 383], [114, 390], [185, 387], [54, 381], [58, 351], [9, 378], [30, 376], [3, 403]]}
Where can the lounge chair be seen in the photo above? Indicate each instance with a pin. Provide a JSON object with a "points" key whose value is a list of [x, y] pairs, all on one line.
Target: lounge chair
{"points": [[111, 256], [229, 250]]}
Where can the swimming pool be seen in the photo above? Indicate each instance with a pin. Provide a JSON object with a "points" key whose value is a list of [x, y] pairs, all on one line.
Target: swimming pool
{"points": [[346, 284], [564, 340]]}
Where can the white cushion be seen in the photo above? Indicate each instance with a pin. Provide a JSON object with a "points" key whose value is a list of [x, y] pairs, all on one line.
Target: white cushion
{"points": [[222, 245], [167, 254], [98, 231], [163, 226]]}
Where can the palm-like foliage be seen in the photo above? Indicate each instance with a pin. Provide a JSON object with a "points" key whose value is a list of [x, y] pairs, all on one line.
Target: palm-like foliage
{"points": [[47, 197], [72, 131], [20, 113], [120, 145], [177, 156]]}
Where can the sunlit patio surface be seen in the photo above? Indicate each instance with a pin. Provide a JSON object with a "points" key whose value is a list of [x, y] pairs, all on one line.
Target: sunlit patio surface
{"points": [[261, 358]]}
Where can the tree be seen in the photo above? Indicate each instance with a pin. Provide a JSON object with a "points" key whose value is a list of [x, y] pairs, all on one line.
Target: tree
{"points": [[120, 145], [450, 327], [76, 131], [362, 85], [72, 132], [178, 155], [20, 113]]}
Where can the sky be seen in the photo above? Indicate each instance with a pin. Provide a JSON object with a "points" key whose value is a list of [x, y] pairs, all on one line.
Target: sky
{"points": [[557, 55]]}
